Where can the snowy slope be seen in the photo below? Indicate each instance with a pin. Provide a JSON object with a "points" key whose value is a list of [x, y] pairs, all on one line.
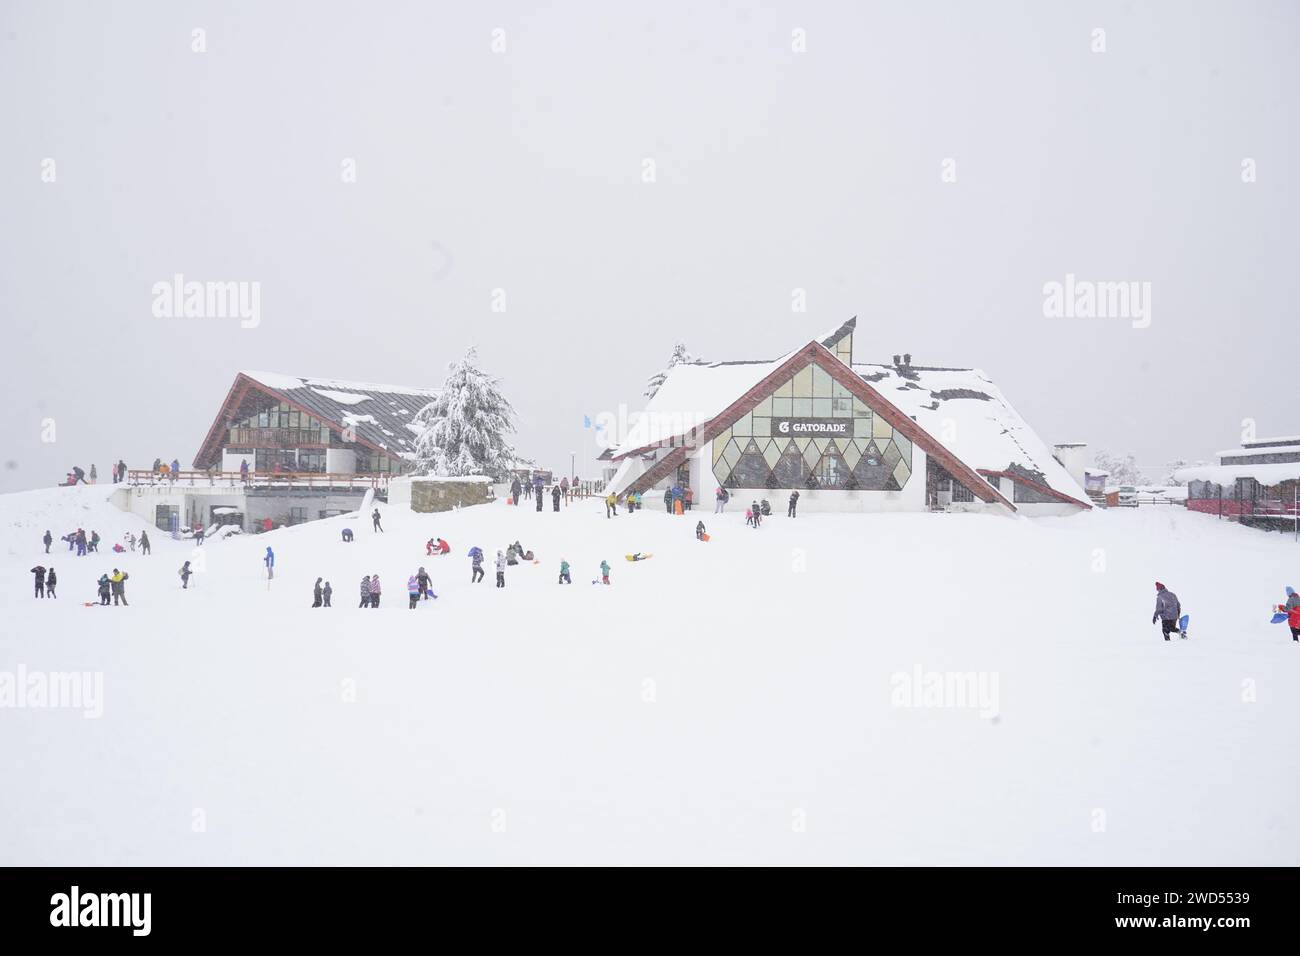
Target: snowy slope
{"points": [[727, 702]]}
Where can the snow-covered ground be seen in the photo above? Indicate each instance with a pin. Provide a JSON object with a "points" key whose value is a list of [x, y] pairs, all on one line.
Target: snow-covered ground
{"points": [[728, 702]]}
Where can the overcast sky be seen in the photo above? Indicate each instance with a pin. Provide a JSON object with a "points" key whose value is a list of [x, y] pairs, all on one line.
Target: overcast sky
{"points": [[781, 161]]}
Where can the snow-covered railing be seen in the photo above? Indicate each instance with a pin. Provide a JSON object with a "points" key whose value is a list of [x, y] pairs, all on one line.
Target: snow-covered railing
{"points": [[283, 479]]}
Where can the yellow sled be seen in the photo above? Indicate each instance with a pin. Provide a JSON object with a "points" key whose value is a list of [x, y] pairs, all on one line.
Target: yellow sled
{"points": [[638, 556]]}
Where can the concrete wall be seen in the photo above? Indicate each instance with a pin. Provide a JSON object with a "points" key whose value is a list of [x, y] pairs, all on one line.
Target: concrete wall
{"points": [[196, 502], [429, 495]]}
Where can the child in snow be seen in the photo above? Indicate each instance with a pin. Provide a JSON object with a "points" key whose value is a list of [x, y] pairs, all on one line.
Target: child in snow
{"points": [[476, 559], [604, 571], [501, 570], [699, 531], [375, 592], [185, 576], [50, 581], [749, 517], [347, 535], [327, 593], [118, 549], [1167, 611], [413, 591], [104, 587], [564, 573], [365, 592], [422, 580]]}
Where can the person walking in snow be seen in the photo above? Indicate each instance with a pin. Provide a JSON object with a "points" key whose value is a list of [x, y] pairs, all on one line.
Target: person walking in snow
{"points": [[94, 541], [375, 518], [538, 495], [144, 542], [794, 503], [318, 594], [412, 591], [81, 543], [269, 560], [365, 592], [555, 497], [604, 571], [94, 474], [476, 560], [51, 580], [327, 594], [611, 505], [198, 534], [564, 572], [422, 579], [1167, 611], [130, 540], [758, 514], [105, 585], [39, 572], [564, 488], [375, 591], [185, 576], [48, 540], [699, 531], [118, 580], [516, 490], [501, 570]]}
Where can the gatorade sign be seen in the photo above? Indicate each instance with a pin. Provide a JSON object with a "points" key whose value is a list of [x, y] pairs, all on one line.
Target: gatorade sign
{"points": [[800, 427]]}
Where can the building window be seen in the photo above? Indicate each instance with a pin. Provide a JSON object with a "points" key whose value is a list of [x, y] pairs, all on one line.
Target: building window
{"points": [[297, 516], [311, 460], [961, 493]]}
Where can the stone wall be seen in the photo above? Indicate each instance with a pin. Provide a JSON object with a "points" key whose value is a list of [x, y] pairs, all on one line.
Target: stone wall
{"points": [[444, 495]]}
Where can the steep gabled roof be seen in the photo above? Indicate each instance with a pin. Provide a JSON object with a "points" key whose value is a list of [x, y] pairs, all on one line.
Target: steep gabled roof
{"points": [[379, 415]]}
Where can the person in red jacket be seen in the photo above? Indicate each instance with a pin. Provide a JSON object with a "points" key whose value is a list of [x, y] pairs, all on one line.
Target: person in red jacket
{"points": [[1293, 621]]}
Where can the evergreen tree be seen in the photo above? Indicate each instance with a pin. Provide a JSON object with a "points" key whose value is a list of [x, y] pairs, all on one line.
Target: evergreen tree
{"points": [[680, 356], [463, 431], [1123, 469]]}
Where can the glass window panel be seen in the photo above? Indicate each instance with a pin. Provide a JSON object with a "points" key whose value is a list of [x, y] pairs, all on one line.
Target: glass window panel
{"points": [[860, 407], [751, 470], [802, 443], [785, 389], [790, 470], [803, 382], [762, 426], [782, 407], [764, 407], [771, 453], [743, 425], [831, 471], [850, 453], [811, 454], [891, 456], [870, 472], [803, 407], [901, 473], [904, 446], [840, 390], [881, 428], [821, 382], [841, 407], [821, 407]]}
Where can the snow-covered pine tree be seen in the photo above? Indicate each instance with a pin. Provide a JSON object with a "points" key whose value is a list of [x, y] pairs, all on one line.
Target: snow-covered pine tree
{"points": [[463, 431], [1123, 469], [680, 356]]}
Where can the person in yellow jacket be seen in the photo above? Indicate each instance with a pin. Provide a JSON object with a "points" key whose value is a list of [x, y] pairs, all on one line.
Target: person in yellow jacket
{"points": [[117, 582], [611, 504]]}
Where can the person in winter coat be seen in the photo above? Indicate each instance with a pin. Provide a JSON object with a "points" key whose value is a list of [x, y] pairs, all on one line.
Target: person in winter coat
{"points": [[81, 543], [611, 505], [144, 542], [555, 497], [422, 579], [176, 468], [94, 542], [269, 560], [105, 585], [375, 518], [347, 535], [720, 496], [317, 594], [375, 591], [78, 476], [758, 513], [699, 531], [51, 580], [198, 534], [130, 540], [604, 571], [121, 470], [516, 490], [564, 488], [441, 548], [688, 497], [749, 517], [365, 592], [794, 503], [476, 560], [413, 591], [327, 593], [94, 473], [185, 576], [538, 496], [118, 580], [564, 572], [668, 500], [1292, 614], [39, 572], [1167, 611], [243, 472], [47, 540], [501, 570]]}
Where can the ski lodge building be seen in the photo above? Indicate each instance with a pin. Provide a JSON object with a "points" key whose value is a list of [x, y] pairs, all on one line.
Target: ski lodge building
{"points": [[847, 436], [1257, 484], [314, 448]]}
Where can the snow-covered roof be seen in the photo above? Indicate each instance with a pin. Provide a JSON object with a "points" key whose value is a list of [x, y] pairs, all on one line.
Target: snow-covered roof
{"points": [[380, 415], [1270, 474], [970, 416], [1293, 449], [690, 396]]}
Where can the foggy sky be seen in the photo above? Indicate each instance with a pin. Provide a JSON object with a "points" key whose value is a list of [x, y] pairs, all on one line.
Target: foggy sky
{"points": [[522, 170]]}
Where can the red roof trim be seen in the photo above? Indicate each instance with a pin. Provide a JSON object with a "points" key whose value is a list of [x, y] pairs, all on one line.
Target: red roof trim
{"points": [[1036, 485]]}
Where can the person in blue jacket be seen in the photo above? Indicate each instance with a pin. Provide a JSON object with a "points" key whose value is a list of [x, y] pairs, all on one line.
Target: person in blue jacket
{"points": [[269, 561]]}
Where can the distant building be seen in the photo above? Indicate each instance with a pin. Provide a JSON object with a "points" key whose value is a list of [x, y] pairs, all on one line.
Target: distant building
{"points": [[1255, 484], [314, 448], [848, 436]]}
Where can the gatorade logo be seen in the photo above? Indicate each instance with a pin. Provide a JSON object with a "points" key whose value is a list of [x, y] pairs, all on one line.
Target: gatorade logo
{"points": [[812, 426]]}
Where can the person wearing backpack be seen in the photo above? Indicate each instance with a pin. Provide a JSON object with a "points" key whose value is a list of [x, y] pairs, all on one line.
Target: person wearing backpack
{"points": [[720, 497]]}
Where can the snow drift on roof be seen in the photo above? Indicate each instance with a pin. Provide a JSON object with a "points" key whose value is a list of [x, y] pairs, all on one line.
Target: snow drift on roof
{"points": [[277, 380], [1270, 474], [970, 417]]}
